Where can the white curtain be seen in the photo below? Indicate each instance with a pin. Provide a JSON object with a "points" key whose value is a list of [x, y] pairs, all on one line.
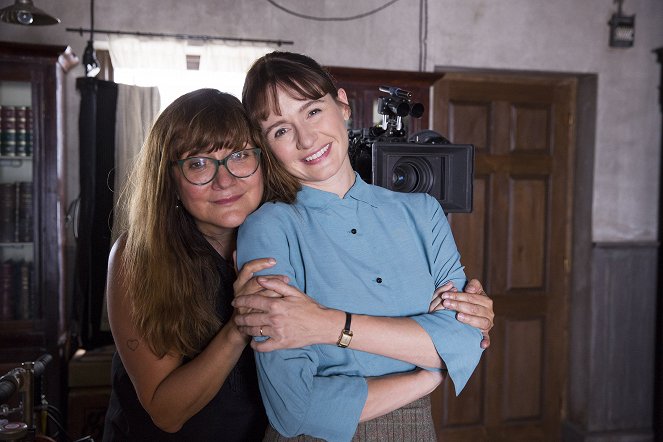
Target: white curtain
{"points": [[143, 59], [137, 108], [230, 57], [162, 63]]}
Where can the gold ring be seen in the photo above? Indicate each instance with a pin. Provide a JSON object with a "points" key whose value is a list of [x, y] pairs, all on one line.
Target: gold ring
{"points": [[261, 332]]}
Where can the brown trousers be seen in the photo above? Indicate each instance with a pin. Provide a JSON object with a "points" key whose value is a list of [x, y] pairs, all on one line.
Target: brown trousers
{"points": [[412, 422]]}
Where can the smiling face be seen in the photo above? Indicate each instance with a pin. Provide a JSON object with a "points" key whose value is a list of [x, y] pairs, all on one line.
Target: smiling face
{"points": [[310, 139], [220, 206]]}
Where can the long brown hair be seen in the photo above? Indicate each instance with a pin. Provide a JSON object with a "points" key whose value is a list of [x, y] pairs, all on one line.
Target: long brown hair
{"points": [[169, 270]]}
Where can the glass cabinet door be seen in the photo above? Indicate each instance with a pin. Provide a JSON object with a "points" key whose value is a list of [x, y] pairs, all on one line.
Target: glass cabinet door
{"points": [[17, 295]]}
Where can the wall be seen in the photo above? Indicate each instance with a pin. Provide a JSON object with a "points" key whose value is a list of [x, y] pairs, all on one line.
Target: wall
{"points": [[560, 36], [619, 203]]}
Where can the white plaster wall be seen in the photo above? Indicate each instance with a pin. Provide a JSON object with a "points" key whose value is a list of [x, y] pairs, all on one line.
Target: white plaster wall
{"points": [[551, 35]]}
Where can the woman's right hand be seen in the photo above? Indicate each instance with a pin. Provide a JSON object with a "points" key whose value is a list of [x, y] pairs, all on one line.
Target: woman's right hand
{"points": [[288, 316], [246, 283]]}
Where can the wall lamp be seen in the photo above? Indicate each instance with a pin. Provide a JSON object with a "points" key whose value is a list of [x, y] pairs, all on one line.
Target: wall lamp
{"points": [[23, 12], [622, 28]]}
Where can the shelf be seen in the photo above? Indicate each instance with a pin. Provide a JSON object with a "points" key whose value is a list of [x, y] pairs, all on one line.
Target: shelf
{"points": [[31, 77], [16, 245], [6, 161]]}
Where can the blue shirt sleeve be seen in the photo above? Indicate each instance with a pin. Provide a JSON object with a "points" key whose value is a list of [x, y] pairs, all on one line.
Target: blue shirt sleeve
{"points": [[297, 400], [458, 344]]}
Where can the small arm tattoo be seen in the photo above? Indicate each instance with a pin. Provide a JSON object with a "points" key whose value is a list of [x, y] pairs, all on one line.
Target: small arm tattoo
{"points": [[132, 344]]}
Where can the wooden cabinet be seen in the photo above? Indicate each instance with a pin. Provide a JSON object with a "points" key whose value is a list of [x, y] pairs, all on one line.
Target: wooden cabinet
{"points": [[31, 234], [362, 87]]}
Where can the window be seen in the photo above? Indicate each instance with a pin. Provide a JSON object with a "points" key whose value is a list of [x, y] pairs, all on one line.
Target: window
{"points": [[176, 67]]}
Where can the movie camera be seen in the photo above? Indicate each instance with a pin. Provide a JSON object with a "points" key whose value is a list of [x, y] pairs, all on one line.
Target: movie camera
{"points": [[425, 161]]}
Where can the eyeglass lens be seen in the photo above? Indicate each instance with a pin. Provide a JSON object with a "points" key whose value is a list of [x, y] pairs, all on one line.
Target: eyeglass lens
{"points": [[202, 170]]}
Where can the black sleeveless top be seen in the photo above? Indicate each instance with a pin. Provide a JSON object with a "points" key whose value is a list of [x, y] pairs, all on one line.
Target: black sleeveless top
{"points": [[235, 414]]}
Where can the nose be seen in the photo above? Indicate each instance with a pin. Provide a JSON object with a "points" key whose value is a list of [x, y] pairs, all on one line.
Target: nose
{"points": [[223, 178], [306, 137]]}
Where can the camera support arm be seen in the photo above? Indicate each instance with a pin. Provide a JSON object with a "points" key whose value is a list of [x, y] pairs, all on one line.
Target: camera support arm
{"points": [[22, 379]]}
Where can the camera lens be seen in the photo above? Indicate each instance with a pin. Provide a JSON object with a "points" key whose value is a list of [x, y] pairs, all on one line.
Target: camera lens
{"points": [[412, 174], [24, 17]]}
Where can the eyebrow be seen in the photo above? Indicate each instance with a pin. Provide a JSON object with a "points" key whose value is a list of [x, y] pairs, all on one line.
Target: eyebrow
{"points": [[303, 107]]}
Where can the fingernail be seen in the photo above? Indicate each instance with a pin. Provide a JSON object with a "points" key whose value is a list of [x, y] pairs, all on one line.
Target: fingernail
{"points": [[271, 261], [461, 317]]}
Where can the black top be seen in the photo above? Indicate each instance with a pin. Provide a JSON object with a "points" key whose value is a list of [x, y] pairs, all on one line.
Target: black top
{"points": [[235, 414]]}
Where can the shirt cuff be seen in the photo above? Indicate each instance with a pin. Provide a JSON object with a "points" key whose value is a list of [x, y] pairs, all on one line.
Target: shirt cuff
{"points": [[458, 344], [336, 406]]}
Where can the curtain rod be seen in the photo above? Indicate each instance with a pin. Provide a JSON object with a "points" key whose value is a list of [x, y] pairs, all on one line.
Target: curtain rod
{"points": [[182, 36]]}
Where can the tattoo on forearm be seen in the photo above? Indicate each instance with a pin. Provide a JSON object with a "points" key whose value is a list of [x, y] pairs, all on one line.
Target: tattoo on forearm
{"points": [[132, 344]]}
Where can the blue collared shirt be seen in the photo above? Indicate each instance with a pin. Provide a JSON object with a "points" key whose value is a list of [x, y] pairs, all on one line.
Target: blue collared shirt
{"points": [[373, 252]]}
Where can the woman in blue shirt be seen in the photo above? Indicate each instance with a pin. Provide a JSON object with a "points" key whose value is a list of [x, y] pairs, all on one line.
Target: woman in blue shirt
{"points": [[371, 256]]}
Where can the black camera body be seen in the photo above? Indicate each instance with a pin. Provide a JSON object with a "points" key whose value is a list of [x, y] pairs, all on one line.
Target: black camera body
{"points": [[423, 162]]}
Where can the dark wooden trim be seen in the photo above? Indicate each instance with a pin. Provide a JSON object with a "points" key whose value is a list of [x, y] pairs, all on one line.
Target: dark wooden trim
{"points": [[374, 77], [38, 65]]}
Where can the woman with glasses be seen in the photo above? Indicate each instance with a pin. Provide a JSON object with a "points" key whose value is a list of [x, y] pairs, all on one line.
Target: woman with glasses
{"points": [[182, 370], [371, 257]]}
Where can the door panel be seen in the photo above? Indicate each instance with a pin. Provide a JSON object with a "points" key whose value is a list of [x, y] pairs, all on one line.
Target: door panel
{"points": [[517, 242]]}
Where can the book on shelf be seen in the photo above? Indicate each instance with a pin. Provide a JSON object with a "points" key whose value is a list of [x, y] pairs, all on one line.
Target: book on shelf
{"points": [[16, 212], [19, 301], [8, 212], [16, 127], [24, 217], [25, 303], [7, 310]]}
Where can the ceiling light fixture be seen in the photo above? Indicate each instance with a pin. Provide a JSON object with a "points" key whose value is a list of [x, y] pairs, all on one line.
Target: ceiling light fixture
{"points": [[23, 12]]}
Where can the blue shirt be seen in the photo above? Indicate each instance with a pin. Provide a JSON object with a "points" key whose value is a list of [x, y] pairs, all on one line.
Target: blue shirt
{"points": [[374, 252]]}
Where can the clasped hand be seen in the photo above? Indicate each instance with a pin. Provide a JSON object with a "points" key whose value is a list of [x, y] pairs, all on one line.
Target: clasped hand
{"points": [[267, 305]]}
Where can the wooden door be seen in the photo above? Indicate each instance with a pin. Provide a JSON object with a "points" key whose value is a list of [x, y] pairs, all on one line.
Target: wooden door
{"points": [[517, 242]]}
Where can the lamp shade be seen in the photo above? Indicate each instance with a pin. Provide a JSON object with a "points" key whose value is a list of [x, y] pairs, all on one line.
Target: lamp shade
{"points": [[24, 12]]}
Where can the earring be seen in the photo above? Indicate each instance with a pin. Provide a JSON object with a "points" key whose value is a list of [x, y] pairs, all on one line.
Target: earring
{"points": [[177, 204]]}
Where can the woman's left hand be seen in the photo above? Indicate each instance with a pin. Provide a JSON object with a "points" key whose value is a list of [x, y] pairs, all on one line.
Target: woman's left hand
{"points": [[474, 308]]}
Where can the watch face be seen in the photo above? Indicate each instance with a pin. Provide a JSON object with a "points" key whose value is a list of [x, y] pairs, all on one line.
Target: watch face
{"points": [[344, 339]]}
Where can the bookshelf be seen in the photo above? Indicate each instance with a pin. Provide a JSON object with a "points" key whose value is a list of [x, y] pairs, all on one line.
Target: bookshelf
{"points": [[32, 301]]}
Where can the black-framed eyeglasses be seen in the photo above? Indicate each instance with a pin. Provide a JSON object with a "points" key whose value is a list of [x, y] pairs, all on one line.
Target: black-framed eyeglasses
{"points": [[202, 170]]}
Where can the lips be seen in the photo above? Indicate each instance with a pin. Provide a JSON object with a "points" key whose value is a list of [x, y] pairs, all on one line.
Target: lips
{"points": [[228, 200], [318, 154]]}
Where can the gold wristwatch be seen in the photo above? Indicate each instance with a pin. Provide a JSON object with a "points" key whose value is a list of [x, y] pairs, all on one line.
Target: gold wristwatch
{"points": [[346, 334]]}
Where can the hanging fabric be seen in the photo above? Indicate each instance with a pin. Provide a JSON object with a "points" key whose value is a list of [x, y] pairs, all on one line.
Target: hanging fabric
{"points": [[230, 57], [142, 61], [137, 108], [113, 123]]}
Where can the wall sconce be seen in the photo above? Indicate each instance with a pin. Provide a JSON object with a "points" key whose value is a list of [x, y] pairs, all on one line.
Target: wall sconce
{"points": [[622, 28], [23, 12]]}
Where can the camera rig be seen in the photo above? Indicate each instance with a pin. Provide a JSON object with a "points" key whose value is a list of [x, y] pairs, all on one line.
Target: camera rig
{"points": [[426, 161]]}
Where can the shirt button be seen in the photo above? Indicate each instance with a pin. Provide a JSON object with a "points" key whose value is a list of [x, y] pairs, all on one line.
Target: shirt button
{"points": [[379, 280], [353, 231]]}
